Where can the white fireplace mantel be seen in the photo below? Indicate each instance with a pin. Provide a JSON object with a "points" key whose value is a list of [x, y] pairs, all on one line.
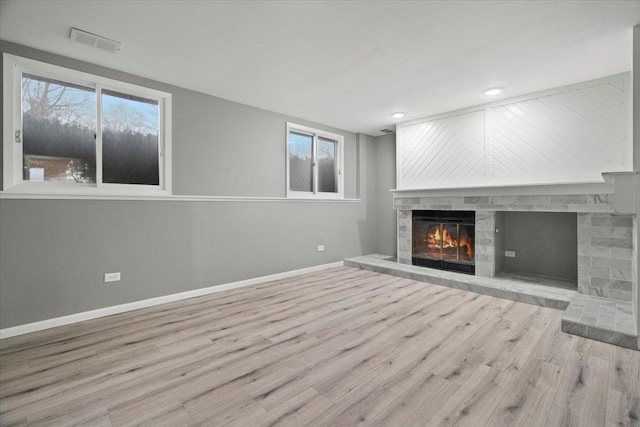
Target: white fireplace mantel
{"points": [[601, 187], [620, 187]]}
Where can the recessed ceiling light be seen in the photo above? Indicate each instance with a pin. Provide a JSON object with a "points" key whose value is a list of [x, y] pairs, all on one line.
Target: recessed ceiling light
{"points": [[493, 91], [397, 115]]}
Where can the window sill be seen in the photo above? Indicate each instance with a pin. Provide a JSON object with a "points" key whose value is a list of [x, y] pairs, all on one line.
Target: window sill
{"points": [[73, 191], [15, 195]]}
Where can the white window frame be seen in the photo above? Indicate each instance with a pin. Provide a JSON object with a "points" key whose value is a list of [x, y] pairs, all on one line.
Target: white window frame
{"points": [[13, 182], [315, 134]]}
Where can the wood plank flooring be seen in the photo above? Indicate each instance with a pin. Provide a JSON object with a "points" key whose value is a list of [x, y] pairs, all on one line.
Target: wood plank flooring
{"points": [[340, 347]]}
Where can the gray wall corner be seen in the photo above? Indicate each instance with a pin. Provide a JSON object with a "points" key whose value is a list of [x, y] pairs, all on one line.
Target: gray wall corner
{"points": [[386, 219]]}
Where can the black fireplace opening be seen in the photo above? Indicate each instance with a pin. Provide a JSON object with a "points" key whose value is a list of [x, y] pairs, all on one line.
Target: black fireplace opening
{"points": [[444, 240]]}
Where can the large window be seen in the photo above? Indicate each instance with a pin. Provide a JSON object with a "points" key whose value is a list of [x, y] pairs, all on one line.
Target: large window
{"points": [[75, 133], [314, 163]]}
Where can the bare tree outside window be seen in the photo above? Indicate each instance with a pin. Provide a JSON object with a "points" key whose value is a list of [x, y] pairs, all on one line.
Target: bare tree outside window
{"points": [[63, 102], [300, 162], [129, 139], [327, 153], [58, 122]]}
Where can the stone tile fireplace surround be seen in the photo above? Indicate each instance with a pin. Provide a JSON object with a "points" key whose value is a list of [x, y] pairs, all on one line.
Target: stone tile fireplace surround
{"points": [[606, 232], [607, 227]]}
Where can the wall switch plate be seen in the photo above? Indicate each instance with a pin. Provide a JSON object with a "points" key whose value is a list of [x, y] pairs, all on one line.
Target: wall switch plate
{"points": [[112, 277], [320, 248], [510, 254]]}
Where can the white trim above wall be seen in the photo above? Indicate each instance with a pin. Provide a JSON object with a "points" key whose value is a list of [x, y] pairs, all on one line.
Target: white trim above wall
{"points": [[589, 187], [122, 308], [171, 198]]}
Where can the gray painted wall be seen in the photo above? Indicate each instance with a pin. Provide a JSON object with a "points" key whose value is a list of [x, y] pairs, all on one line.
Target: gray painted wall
{"points": [[636, 167], [366, 175], [545, 243], [54, 253], [386, 181]]}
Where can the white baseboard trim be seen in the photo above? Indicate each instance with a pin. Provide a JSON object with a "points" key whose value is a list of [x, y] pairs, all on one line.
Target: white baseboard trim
{"points": [[122, 308]]}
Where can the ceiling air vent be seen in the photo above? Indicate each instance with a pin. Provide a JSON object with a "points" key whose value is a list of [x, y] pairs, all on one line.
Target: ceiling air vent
{"points": [[386, 131], [95, 40]]}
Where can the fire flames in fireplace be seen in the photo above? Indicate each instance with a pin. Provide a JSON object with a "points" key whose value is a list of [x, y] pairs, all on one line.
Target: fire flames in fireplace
{"points": [[444, 240]]}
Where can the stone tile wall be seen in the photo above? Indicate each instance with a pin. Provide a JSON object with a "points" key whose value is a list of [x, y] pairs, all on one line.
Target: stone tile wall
{"points": [[605, 255], [554, 203], [485, 243], [405, 231], [634, 272], [605, 240]]}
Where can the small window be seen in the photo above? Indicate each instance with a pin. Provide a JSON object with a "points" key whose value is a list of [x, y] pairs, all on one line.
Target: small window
{"points": [[71, 132], [314, 163]]}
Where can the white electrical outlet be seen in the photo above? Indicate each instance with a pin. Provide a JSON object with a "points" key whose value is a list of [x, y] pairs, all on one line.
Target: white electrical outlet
{"points": [[112, 277], [510, 254], [320, 248]]}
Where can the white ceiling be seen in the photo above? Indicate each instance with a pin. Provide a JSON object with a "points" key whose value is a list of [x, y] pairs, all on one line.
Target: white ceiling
{"points": [[344, 64]]}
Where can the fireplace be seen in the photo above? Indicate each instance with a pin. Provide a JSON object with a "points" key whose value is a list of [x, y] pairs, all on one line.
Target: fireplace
{"points": [[444, 240]]}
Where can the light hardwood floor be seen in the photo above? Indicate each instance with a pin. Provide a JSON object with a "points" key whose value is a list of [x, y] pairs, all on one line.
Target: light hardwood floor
{"points": [[337, 347]]}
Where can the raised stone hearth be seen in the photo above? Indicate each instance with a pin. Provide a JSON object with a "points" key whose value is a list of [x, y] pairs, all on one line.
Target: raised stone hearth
{"points": [[507, 288], [607, 238]]}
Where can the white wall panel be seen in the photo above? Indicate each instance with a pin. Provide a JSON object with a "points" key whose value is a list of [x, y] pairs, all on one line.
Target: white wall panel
{"points": [[565, 135], [447, 151], [573, 135]]}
